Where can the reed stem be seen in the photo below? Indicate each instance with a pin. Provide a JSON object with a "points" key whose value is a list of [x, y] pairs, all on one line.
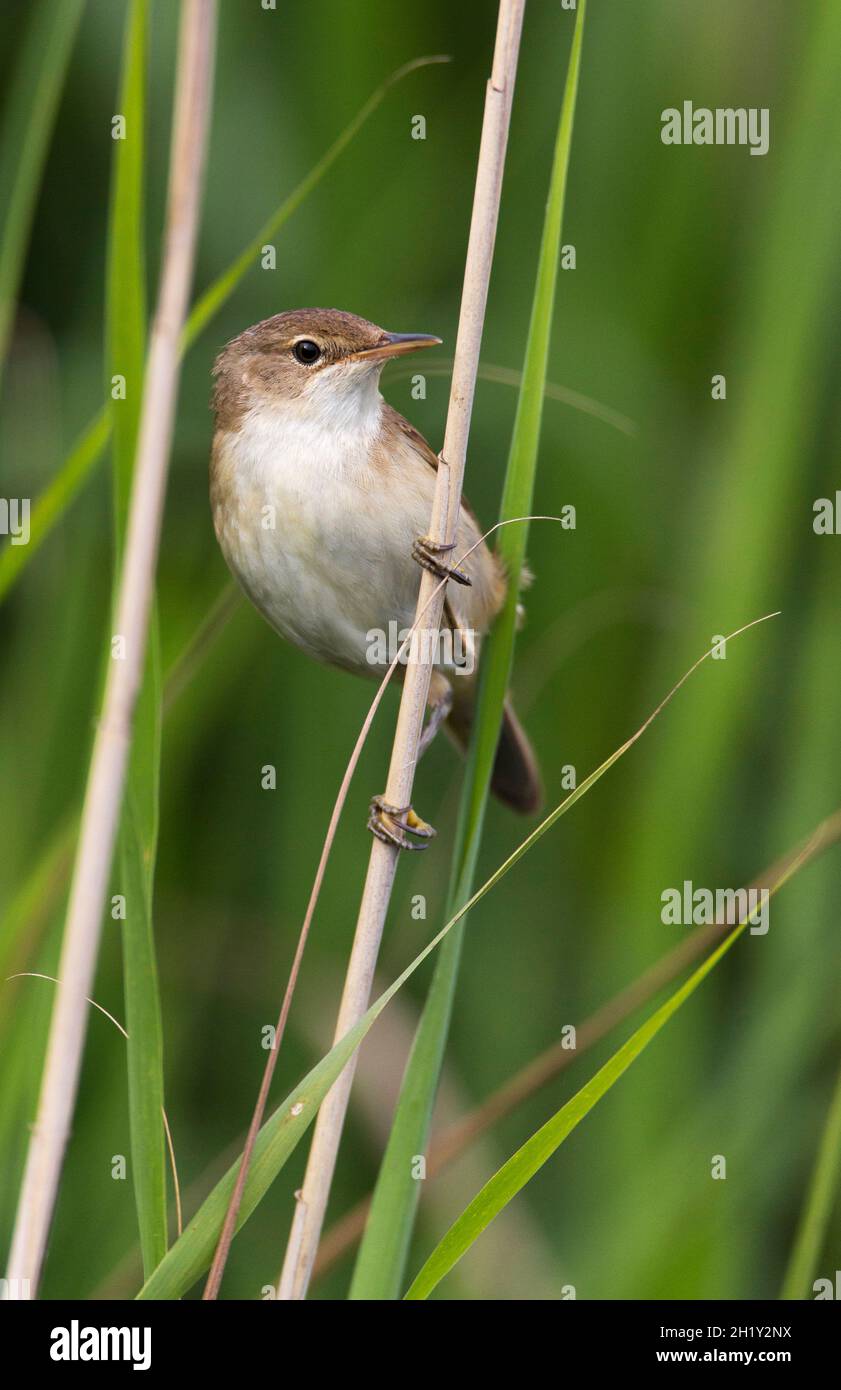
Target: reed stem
{"points": [[312, 1201], [103, 795]]}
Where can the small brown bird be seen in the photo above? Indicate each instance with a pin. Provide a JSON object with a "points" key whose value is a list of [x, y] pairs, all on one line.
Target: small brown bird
{"points": [[321, 494]]}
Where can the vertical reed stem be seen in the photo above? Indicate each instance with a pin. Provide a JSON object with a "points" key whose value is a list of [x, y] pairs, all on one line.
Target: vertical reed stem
{"points": [[103, 794], [312, 1202]]}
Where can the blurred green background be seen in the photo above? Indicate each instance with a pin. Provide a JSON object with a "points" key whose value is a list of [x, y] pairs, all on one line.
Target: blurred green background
{"points": [[690, 262]]}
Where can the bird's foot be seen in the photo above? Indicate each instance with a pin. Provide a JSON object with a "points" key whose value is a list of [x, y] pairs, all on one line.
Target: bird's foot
{"points": [[426, 552], [395, 824]]}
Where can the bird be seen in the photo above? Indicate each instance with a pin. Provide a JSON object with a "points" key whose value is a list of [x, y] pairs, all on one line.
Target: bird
{"points": [[321, 495]]}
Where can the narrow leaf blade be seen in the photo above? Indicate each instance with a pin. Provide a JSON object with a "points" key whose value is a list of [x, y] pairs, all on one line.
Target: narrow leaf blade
{"points": [[125, 350], [513, 1176]]}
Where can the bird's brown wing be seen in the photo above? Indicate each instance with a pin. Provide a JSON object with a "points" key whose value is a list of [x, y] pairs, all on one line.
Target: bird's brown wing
{"points": [[465, 607], [428, 454]]}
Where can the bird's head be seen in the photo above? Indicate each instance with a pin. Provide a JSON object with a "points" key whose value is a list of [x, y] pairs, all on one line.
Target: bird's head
{"points": [[316, 361]]}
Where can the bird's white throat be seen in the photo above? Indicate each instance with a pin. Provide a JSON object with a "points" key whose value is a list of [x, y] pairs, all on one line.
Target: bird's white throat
{"points": [[329, 430]]}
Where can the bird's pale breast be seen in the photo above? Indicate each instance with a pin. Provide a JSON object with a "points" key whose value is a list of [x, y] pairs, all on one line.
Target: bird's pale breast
{"points": [[318, 523]]}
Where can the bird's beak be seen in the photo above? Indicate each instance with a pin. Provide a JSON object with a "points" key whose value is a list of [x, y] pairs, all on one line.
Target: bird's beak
{"points": [[394, 345]]}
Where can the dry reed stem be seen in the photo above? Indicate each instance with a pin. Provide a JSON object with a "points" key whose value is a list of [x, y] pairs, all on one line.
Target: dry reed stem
{"points": [[312, 1201], [103, 794]]}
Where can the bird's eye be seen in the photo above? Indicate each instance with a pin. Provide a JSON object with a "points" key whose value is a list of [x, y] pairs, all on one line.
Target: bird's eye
{"points": [[307, 351]]}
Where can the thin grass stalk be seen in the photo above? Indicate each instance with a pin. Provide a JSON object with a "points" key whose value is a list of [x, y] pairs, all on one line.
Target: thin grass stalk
{"points": [[382, 1257], [39, 975], [113, 738], [312, 1204]]}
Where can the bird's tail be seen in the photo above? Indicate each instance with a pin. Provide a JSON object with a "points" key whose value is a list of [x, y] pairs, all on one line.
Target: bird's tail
{"points": [[516, 776]]}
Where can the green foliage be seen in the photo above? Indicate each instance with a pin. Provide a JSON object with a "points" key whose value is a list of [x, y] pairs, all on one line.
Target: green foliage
{"points": [[690, 262], [280, 1134]]}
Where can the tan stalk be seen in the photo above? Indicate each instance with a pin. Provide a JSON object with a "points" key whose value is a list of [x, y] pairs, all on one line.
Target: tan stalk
{"points": [[312, 1200], [103, 794]]}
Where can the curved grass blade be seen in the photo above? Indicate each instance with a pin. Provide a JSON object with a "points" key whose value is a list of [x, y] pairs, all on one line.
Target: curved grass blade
{"points": [[279, 1136], [382, 1256], [80, 463], [30, 117], [552, 390], [530, 1158], [39, 975], [818, 1206]]}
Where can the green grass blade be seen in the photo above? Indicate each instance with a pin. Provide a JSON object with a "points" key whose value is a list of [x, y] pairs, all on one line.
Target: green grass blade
{"points": [[530, 1158], [26, 916], [552, 390], [382, 1256], [818, 1206], [49, 508], [38, 895], [137, 846], [126, 273], [30, 117], [192, 1252], [125, 351]]}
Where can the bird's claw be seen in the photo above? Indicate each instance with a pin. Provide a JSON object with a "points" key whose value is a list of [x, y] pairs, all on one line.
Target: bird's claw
{"points": [[394, 824], [426, 552]]}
